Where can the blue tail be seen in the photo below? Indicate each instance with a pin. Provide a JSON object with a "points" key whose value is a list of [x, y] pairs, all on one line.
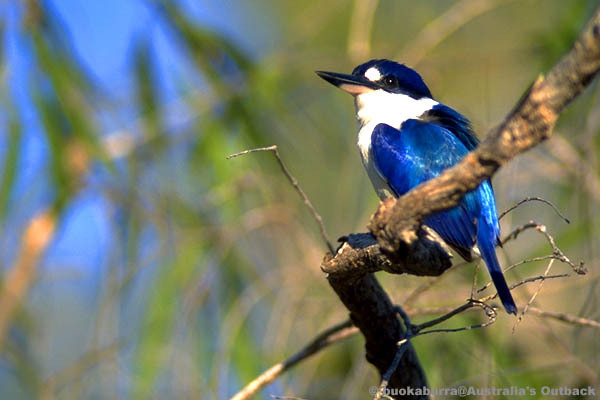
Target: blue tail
{"points": [[486, 240]]}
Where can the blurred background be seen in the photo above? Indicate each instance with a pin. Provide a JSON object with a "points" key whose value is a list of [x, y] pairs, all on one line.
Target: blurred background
{"points": [[138, 262]]}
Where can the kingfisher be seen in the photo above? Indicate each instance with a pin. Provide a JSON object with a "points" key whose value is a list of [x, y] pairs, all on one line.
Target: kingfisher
{"points": [[405, 138]]}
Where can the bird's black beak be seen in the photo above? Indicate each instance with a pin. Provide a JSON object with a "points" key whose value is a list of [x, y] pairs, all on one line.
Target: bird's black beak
{"points": [[352, 84]]}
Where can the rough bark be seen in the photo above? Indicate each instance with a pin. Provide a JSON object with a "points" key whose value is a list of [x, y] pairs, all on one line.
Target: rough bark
{"points": [[350, 275]]}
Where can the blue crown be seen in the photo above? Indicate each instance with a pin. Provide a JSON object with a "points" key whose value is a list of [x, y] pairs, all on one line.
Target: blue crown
{"points": [[409, 81]]}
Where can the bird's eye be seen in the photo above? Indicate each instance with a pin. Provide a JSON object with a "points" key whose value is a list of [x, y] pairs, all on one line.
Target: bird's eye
{"points": [[390, 81]]}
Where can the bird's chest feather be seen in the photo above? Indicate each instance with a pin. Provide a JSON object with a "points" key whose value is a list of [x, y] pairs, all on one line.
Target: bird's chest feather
{"points": [[379, 107], [380, 185], [413, 155]]}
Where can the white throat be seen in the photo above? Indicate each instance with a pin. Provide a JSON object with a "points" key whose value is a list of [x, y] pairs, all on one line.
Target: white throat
{"points": [[381, 107]]}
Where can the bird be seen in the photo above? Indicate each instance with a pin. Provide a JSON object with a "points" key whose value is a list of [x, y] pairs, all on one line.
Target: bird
{"points": [[405, 138]]}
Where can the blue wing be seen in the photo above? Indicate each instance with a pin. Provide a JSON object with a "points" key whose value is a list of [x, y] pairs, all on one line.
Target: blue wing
{"points": [[420, 151], [455, 122], [416, 153]]}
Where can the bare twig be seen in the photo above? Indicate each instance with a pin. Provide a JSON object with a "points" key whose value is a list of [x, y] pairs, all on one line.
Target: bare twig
{"points": [[329, 336], [444, 317], [416, 293], [518, 230], [537, 291], [296, 186], [517, 264], [527, 199], [537, 278], [567, 318], [490, 313], [557, 253], [429, 310], [560, 256], [524, 281], [475, 273], [385, 380]]}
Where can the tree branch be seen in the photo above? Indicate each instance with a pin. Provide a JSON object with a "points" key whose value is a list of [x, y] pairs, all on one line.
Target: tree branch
{"points": [[329, 336], [350, 276], [531, 122], [567, 318]]}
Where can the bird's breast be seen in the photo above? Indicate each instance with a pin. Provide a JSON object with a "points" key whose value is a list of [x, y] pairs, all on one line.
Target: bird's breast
{"points": [[380, 185]]}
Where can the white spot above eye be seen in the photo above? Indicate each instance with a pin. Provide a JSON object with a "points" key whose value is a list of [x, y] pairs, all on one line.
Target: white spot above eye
{"points": [[373, 74]]}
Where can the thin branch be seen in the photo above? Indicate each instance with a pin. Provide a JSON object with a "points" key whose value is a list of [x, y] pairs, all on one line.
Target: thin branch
{"points": [[385, 380], [489, 311], [444, 317], [334, 334], [578, 269], [514, 234], [416, 293], [418, 330], [524, 281], [567, 318], [537, 278], [557, 253], [296, 186], [475, 274], [429, 310], [527, 199], [532, 299], [515, 265]]}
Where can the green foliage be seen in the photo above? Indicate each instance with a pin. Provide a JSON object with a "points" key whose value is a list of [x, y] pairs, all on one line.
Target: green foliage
{"points": [[160, 315], [11, 160]]}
